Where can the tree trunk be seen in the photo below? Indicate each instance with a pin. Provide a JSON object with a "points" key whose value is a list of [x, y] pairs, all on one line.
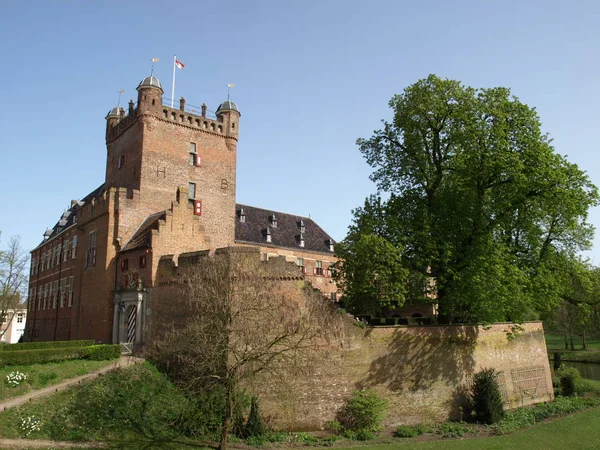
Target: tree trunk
{"points": [[566, 342], [226, 418], [572, 342], [583, 340]]}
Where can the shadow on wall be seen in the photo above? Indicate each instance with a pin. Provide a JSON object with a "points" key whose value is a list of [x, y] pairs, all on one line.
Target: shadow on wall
{"points": [[425, 362]]}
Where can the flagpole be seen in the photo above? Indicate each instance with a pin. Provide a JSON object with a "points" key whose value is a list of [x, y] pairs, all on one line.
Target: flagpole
{"points": [[173, 86]]}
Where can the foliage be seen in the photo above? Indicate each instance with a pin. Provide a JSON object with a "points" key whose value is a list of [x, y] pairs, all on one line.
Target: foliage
{"points": [[485, 215], [370, 273], [102, 352], [569, 378], [44, 355], [229, 323], [407, 431], [13, 379], [254, 426], [362, 414], [525, 417], [39, 356], [13, 279], [45, 344], [486, 397], [139, 401], [452, 429]]}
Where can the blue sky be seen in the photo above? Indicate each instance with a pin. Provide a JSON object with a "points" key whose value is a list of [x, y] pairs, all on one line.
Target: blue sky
{"points": [[310, 78]]}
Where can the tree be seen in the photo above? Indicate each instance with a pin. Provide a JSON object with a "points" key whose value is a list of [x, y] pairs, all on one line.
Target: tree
{"points": [[371, 274], [13, 278], [476, 199], [225, 320]]}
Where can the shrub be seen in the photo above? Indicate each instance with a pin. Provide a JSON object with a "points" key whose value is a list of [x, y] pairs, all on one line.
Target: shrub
{"points": [[486, 397], [44, 345], [39, 356], [569, 379], [102, 352], [452, 429], [254, 426], [557, 360], [14, 379], [407, 431], [363, 412]]}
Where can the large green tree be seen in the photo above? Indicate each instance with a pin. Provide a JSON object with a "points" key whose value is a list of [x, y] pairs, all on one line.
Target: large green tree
{"points": [[472, 193]]}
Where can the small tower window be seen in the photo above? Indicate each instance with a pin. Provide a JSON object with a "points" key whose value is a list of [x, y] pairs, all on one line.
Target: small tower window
{"points": [[191, 191]]}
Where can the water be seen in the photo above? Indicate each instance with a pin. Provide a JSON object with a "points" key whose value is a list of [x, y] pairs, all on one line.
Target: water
{"points": [[587, 370]]}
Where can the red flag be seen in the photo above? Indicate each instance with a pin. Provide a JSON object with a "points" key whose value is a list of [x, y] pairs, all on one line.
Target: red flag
{"points": [[179, 64]]}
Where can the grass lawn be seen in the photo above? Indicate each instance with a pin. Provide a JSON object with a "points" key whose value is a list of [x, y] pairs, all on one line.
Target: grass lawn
{"points": [[43, 375], [577, 431], [557, 342]]}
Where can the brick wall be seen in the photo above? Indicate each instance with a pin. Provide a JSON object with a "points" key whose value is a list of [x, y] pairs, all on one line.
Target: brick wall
{"points": [[423, 372]]}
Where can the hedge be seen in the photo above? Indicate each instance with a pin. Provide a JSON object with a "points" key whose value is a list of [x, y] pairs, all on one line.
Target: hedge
{"points": [[102, 352], [46, 344], [44, 355]]}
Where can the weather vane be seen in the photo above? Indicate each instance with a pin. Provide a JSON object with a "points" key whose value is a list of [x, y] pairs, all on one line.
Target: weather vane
{"points": [[154, 60]]}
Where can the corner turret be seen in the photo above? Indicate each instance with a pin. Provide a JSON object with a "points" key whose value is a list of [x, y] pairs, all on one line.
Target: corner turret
{"points": [[229, 114], [150, 93]]}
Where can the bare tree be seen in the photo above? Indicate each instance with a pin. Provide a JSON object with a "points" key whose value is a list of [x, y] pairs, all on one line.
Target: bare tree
{"points": [[13, 279], [226, 320]]}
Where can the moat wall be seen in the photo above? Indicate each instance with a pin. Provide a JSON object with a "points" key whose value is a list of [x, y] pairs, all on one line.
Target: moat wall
{"points": [[422, 372]]}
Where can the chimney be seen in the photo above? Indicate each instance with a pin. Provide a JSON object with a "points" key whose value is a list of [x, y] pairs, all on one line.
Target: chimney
{"points": [[130, 107], [203, 109], [182, 104]]}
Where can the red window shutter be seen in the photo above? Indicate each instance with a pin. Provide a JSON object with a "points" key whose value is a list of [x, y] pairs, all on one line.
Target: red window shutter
{"points": [[198, 207], [315, 271], [198, 160]]}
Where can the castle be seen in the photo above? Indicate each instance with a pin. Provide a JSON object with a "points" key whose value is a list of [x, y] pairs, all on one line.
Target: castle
{"points": [[170, 189]]}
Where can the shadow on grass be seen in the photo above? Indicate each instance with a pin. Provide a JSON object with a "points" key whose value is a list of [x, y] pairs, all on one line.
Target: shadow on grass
{"points": [[160, 444]]}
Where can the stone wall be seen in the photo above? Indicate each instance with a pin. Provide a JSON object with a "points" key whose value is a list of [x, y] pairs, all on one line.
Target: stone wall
{"points": [[423, 372]]}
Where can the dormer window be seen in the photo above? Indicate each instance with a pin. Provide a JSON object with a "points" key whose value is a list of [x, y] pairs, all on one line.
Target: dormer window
{"points": [[267, 234], [302, 226], [329, 243], [242, 215], [301, 240], [273, 220]]}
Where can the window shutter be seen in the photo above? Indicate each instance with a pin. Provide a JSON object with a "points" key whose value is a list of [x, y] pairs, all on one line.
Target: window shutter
{"points": [[315, 271], [198, 160], [198, 207], [94, 257]]}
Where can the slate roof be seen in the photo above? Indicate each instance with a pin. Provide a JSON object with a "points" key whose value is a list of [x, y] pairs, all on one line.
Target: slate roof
{"points": [[287, 233], [68, 218], [141, 238]]}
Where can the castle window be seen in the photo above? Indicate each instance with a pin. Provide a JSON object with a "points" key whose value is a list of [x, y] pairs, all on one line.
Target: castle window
{"points": [[205, 124], [319, 268], [63, 292], [173, 116], [71, 284], [142, 261], [165, 114], [300, 262], [74, 247], [121, 161], [181, 118], [91, 253], [220, 129], [19, 317], [191, 191], [124, 265], [55, 294], [212, 126], [153, 101], [195, 159], [233, 125], [265, 256]]}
